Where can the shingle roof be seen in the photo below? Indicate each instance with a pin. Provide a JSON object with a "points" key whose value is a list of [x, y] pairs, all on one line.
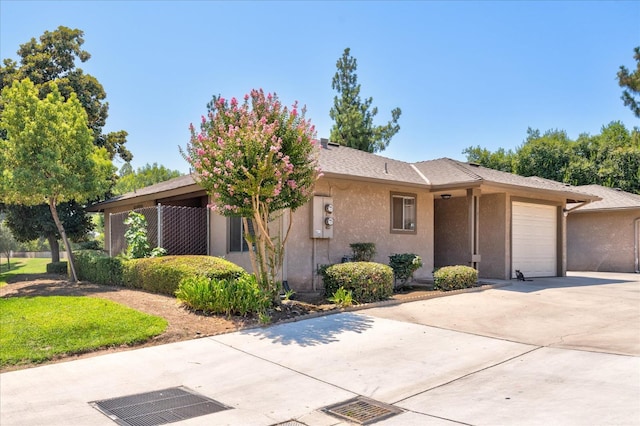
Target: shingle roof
{"points": [[156, 189], [612, 199], [341, 161], [445, 172], [349, 162]]}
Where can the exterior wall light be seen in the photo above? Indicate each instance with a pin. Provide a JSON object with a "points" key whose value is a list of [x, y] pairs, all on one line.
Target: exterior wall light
{"points": [[445, 196]]}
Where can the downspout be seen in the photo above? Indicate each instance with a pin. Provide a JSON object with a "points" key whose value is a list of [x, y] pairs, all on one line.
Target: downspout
{"points": [[636, 243]]}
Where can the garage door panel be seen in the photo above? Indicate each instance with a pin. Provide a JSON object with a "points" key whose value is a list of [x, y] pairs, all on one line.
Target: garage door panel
{"points": [[534, 239]]}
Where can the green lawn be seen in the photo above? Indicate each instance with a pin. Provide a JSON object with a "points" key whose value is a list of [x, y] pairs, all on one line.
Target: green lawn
{"points": [[21, 266], [36, 329]]}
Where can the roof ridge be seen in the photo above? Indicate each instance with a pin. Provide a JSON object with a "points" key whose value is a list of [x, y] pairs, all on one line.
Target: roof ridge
{"points": [[461, 166], [413, 166]]}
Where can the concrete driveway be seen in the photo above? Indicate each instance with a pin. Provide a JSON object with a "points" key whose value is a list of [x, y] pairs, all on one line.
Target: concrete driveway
{"points": [[552, 351]]}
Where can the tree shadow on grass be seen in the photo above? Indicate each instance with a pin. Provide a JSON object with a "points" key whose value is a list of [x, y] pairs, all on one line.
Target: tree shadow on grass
{"points": [[316, 331]]}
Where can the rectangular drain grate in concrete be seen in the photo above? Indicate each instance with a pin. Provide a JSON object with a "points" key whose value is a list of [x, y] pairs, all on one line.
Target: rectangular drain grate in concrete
{"points": [[362, 410], [158, 407], [290, 423]]}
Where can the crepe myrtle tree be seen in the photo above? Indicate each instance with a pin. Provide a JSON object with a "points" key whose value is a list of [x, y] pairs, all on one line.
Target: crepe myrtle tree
{"points": [[257, 160], [48, 154]]}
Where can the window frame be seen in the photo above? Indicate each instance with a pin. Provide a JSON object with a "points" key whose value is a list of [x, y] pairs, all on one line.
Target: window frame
{"points": [[403, 196]]}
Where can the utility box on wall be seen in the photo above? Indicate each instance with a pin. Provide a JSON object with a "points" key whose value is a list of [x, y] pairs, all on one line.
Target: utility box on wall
{"points": [[322, 217]]}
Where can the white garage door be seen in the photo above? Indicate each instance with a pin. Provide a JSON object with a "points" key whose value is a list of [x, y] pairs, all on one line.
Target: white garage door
{"points": [[534, 239]]}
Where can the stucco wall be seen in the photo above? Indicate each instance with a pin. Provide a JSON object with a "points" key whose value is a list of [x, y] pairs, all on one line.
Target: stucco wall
{"points": [[451, 238], [362, 214], [493, 236], [601, 241]]}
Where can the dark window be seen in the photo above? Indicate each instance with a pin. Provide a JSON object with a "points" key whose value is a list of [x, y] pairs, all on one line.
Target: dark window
{"points": [[237, 242]]}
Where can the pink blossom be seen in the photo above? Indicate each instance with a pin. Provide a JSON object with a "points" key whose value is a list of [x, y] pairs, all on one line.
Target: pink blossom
{"points": [[292, 184]]}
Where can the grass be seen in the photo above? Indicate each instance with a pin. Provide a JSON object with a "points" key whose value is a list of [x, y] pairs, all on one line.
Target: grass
{"points": [[20, 266], [37, 329]]}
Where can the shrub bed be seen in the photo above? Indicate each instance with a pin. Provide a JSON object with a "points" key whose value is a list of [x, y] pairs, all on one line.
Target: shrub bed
{"points": [[233, 296], [96, 266], [367, 281], [163, 274], [455, 278]]}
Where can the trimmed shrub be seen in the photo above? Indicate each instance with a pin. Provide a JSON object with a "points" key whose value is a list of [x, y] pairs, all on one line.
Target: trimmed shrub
{"points": [[455, 277], [97, 267], [163, 274], [367, 281], [363, 252], [59, 268], [404, 265], [90, 245], [239, 296]]}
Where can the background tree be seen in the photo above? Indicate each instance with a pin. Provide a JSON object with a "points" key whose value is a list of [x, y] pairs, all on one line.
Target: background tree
{"points": [[631, 82], [499, 160], [48, 154], [52, 58], [353, 119], [256, 160], [28, 223], [7, 243], [146, 175], [610, 158]]}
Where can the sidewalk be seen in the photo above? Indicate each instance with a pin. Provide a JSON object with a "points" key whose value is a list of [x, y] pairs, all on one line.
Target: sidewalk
{"points": [[290, 372]]}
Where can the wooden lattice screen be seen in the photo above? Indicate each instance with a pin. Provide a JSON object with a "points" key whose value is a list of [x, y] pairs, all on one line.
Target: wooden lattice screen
{"points": [[177, 229]]}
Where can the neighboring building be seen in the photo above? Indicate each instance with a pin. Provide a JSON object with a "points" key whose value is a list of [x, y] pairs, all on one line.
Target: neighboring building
{"points": [[605, 235], [445, 211]]}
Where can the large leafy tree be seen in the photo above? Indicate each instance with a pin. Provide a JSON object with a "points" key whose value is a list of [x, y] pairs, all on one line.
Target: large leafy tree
{"points": [[353, 117], [149, 174], [610, 158], [48, 154], [256, 159], [51, 59], [630, 81]]}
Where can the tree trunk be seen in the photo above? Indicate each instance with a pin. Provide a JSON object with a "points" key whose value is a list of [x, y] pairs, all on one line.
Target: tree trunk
{"points": [[55, 248], [65, 240]]}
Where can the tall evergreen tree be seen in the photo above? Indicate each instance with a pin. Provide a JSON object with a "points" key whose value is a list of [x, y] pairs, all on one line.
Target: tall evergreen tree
{"points": [[631, 82], [353, 118]]}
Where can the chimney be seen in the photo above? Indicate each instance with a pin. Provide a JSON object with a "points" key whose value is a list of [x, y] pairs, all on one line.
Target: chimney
{"points": [[324, 142]]}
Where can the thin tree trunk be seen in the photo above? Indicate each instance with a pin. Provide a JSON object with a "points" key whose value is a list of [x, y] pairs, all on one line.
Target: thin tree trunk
{"points": [[65, 240], [55, 247]]}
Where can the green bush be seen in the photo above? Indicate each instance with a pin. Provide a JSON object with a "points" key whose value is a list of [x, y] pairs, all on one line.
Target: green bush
{"points": [[363, 252], [90, 245], [404, 265], [367, 281], [163, 274], [59, 268], [239, 296], [97, 267], [455, 277]]}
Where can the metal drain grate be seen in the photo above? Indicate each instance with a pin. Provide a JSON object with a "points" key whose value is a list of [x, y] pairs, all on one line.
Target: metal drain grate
{"points": [[362, 410], [158, 407], [290, 423]]}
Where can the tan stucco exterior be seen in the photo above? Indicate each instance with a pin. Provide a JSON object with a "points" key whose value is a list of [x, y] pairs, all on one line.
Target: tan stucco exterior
{"points": [[362, 214], [453, 240], [604, 241]]}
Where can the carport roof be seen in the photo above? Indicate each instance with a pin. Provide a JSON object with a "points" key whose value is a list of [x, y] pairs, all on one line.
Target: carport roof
{"points": [[612, 199]]}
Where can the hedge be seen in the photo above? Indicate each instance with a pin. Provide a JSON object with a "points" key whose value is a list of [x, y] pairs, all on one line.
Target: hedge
{"points": [[455, 277], [367, 281]]}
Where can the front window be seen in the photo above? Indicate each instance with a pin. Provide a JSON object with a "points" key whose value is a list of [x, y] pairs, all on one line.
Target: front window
{"points": [[237, 242], [403, 213]]}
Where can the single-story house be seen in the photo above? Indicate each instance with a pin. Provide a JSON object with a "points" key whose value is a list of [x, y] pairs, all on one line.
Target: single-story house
{"points": [[446, 211], [605, 235]]}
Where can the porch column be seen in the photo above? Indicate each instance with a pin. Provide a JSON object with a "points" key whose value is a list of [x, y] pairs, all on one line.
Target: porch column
{"points": [[473, 201]]}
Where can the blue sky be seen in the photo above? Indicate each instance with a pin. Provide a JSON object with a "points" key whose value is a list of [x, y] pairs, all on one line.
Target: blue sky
{"points": [[463, 73]]}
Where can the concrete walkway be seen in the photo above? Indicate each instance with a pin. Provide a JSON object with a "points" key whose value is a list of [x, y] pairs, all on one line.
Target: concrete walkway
{"points": [[553, 351]]}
